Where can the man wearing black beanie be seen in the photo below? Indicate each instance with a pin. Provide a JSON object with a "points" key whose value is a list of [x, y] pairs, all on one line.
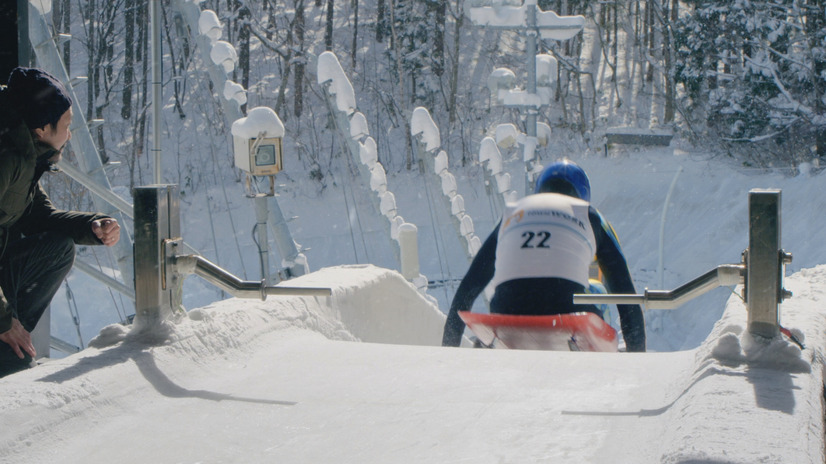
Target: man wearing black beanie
{"points": [[37, 241]]}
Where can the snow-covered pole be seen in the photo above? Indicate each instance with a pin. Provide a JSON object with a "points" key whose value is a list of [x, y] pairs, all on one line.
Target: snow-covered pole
{"points": [[157, 89]]}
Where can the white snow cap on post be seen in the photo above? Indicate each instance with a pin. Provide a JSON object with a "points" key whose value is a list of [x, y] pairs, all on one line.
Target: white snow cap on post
{"points": [[330, 70], [358, 126], [210, 26], [378, 179], [235, 91], [260, 119], [440, 163], [501, 79], [224, 54], [474, 245], [543, 134], [368, 153], [422, 124], [566, 26], [499, 16], [457, 205], [448, 184], [387, 204], [488, 151], [546, 70], [466, 226], [506, 135]]}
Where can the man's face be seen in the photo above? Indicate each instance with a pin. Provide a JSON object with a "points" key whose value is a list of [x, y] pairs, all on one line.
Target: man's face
{"points": [[56, 137]]}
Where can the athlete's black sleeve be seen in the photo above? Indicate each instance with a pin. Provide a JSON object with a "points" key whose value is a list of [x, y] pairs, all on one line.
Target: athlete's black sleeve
{"points": [[478, 276], [618, 280]]}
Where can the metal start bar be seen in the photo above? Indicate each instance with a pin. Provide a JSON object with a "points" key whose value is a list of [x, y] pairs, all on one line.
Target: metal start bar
{"points": [[214, 274], [722, 276]]}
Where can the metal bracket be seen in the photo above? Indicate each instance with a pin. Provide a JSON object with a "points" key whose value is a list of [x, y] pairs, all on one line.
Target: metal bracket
{"points": [[169, 271]]}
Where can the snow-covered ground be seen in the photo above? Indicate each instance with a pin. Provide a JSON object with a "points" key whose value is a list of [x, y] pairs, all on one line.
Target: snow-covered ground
{"points": [[356, 378]]}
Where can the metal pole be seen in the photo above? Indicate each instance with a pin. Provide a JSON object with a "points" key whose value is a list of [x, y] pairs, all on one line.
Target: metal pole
{"points": [[157, 89], [765, 262], [530, 122], [214, 274], [157, 221], [261, 214], [660, 270]]}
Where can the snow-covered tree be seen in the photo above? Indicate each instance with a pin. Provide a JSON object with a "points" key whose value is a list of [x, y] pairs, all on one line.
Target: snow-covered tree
{"points": [[755, 70]]}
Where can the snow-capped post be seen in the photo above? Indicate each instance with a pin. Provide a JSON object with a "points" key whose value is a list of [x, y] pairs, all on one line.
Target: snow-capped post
{"points": [[258, 149], [530, 20], [409, 244], [426, 142]]}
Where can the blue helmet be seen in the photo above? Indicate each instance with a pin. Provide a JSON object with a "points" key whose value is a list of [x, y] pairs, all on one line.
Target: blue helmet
{"points": [[565, 177]]}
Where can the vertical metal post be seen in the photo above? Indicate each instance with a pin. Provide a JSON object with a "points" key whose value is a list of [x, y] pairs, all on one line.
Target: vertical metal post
{"points": [[261, 215], [157, 88], [157, 221], [764, 263], [24, 49], [530, 122]]}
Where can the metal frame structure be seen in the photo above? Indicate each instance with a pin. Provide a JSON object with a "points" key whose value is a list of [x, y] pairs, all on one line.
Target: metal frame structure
{"points": [[761, 270], [161, 267]]}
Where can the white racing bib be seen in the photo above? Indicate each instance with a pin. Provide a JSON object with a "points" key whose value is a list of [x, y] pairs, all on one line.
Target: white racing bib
{"points": [[545, 235]]}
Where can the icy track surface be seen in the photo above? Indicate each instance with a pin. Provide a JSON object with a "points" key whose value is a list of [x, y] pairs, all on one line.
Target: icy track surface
{"points": [[359, 378]]}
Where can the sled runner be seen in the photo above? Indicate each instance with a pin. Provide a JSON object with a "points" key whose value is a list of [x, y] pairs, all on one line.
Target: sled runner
{"points": [[561, 332]]}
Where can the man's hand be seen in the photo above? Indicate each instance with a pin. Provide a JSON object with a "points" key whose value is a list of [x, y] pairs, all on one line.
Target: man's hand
{"points": [[107, 230], [19, 339]]}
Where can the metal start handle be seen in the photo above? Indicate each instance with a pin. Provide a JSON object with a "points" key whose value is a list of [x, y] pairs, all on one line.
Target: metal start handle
{"points": [[721, 276]]}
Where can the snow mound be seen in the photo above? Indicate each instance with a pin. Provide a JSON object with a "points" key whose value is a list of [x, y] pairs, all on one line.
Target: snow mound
{"points": [[786, 382]]}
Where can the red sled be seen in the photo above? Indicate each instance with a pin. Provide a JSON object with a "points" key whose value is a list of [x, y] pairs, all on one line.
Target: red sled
{"points": [[560, 332]]}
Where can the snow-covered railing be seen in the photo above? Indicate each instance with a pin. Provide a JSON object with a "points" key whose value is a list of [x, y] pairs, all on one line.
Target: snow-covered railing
{"points": [[497, 181], [427, 141], [218, 56], [355, 141]]}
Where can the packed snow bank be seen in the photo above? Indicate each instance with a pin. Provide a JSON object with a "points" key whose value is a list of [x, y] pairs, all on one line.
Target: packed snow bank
{"points": [[745, 395], [282, 381]]}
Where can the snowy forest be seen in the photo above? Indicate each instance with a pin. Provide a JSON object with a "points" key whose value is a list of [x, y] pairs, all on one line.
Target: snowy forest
{"points": [[742, 79]]}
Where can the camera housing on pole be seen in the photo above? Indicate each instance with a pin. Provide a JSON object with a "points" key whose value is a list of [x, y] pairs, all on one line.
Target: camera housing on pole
{"points": [[261, 156]]}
